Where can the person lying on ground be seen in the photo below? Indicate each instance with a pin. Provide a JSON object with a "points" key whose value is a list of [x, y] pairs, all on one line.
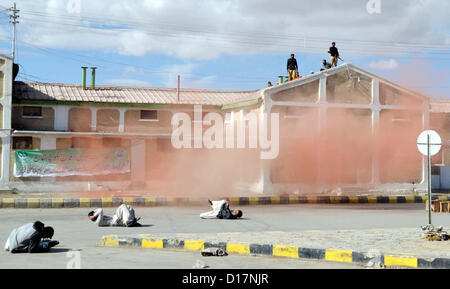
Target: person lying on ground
{"points": [[221, 210], [124, 217], [31, 238]]}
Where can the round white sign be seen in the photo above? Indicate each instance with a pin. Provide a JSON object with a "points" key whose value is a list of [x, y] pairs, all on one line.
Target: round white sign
{"points": [[435, 142]]}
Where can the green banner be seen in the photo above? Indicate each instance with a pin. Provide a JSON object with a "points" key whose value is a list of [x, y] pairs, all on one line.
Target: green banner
{"points": [[71, 162]]}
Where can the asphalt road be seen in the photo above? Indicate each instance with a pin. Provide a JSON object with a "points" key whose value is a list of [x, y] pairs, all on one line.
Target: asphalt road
{"points": [[75, 232]]}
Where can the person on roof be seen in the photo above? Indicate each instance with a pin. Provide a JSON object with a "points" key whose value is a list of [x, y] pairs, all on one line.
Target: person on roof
{"points": [[31, 238], [334, 52], [124, 217], [292, 67], [221, 210], [325, 65]]}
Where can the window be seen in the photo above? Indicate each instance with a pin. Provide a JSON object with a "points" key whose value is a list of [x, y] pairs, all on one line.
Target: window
{"points": [[32, 111], [149, 115], [22, 143]]}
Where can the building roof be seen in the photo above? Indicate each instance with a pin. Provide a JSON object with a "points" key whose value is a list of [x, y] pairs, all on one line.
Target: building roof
{"points": [[341, 68], [37, 91], [5, 56]]}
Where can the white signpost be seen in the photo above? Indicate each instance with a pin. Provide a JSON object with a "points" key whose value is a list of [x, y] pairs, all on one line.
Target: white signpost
{"points": [[429, 144]]}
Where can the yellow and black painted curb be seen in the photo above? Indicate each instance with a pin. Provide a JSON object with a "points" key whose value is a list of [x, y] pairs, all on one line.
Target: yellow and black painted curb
{"points": [[387, 260], [48, 203]]}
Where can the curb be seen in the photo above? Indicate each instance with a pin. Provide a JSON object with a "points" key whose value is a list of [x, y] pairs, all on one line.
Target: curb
{"points": [[387, 260], [47, 203]]}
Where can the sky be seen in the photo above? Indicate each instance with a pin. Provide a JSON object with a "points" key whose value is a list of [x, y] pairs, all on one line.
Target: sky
{"points": [[227, 44]]}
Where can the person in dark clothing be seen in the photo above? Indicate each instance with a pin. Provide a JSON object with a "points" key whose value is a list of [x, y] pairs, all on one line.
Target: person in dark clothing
{"points": [[31, 238], [326, 65], [221, 210], [334, 52], [292, 67]]}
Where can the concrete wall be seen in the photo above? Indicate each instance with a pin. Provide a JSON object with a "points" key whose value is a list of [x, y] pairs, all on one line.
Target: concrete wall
{"points": [[2, 80], [108, 120], [401, 162], [44, 123], [133, 123], [305, 93], [344, 89], [392, 96], [6, 68], [36, 145], [80, 120]]}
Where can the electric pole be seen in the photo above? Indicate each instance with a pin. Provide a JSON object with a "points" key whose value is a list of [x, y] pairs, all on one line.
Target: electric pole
{"points": [[13, 20]]}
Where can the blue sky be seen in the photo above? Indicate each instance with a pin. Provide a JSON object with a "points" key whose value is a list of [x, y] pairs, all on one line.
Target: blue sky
{"points": [[227, 44]]}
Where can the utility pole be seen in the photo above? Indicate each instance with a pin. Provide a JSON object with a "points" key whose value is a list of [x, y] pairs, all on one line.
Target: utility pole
{"points": [[13, 20]]}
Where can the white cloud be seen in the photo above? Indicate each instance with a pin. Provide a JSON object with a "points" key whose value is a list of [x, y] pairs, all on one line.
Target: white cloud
{"points": [[384, 64], [188, 75], [199, 29]]}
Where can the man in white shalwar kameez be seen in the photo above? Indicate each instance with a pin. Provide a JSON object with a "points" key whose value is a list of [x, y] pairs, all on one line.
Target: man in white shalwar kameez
{"points": [[221, 210], [124, 217]]}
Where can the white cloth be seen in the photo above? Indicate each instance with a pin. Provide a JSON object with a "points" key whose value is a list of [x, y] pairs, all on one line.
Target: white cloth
{"points": [[18, 236], [124, 215], [216, 206]]}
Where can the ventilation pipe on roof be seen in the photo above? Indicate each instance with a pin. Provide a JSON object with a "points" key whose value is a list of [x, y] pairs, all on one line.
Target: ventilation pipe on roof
{"points": [[93, 77], [84, 77]]}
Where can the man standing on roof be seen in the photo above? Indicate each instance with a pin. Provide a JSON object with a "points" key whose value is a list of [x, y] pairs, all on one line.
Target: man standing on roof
{"points": [[292, 67], [334, 52]]}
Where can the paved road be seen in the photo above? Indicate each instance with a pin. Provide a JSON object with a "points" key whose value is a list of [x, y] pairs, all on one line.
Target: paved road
{"points": [[75, 231]]}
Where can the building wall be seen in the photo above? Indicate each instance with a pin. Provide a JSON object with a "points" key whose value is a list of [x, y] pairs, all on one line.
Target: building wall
{"points": [[305, 93], [44, 123], [108, 120], [354, 89], [80, 120], [347, 138], [36, 145], [133, 122], [6, 68], [2, 80]]}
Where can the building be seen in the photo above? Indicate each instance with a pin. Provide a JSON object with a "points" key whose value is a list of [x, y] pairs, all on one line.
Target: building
{"points": [[341, 128]]}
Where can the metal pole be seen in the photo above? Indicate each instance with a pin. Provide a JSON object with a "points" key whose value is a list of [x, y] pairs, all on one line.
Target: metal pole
{"points": [[429, 179], [93, 78], [178, 88], [84, 77], [14, 21]]}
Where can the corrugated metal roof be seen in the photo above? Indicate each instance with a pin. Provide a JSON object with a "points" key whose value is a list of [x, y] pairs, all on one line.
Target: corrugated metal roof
{"points": [[129, 95]]}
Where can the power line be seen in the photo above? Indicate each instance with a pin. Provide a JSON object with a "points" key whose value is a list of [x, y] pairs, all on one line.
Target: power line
{"points": [[237, 37], [187, 28]]}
